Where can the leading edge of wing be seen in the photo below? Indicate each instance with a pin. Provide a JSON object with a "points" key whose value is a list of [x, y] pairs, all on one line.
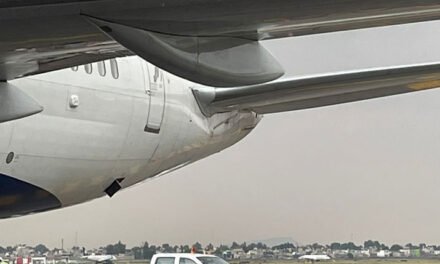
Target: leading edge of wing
{"points": [[320, 90]]}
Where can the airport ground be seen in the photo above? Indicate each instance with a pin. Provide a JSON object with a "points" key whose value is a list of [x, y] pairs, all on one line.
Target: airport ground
{"points": [[337, 261]]}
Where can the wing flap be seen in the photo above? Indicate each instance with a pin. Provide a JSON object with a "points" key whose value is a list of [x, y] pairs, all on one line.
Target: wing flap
{"points": [[322, 90]]}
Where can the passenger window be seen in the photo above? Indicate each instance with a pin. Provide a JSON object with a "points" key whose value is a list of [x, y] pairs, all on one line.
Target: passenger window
{"points": [[75, 68], [101, 68], [114, 68], [166, 260], [186, 261], [88, 68]]}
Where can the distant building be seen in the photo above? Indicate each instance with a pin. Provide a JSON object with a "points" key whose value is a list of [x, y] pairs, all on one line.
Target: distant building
{"points": [[383, 254], [238, 253], [406, 252]]}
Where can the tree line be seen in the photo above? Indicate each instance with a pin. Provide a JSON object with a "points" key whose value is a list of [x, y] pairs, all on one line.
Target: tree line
{"points": [[146, 251]]}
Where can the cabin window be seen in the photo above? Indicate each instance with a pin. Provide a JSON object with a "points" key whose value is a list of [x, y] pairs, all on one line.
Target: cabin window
{"points": [[101, 68], [88, 68], [114, 68], [165, 260], [186, 261], [211, 260], [74, 68]]}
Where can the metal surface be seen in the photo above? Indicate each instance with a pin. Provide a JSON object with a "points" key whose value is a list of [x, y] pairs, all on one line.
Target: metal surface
{"points": [[214, 61], [317, 91], [75, 154], [261, 19], [15, 104], [40, 36]]}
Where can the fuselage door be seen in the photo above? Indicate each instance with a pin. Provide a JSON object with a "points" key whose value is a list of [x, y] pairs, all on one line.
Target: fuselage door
{"points": [[155, 89]]}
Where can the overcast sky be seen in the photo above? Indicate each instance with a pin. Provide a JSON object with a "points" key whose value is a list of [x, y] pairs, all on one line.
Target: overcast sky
{"points": [[366, 170]]}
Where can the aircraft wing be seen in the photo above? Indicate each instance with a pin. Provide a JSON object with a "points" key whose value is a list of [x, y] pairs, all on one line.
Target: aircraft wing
{"points": [[320, 90], [215, 43]]}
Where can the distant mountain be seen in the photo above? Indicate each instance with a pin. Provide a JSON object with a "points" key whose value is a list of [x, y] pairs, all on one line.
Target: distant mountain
{"points": [[275, 241]]}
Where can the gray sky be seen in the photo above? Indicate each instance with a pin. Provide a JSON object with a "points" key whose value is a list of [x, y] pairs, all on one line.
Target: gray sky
{"points": [[367, 170]]}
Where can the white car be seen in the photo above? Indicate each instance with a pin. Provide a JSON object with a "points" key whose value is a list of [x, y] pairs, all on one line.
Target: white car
{"points": [[186, 258]]}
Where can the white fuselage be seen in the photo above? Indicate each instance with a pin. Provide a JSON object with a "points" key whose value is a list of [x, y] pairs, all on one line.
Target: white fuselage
{"points": [[100, 258], [125, 122]]}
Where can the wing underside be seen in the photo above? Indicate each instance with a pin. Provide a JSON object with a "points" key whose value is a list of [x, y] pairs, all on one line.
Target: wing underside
{"points": [[210, 42]]}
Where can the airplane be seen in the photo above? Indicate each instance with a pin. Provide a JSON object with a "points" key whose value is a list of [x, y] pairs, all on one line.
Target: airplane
{"points": [[314, 258], [100, 258], [99, 95]]}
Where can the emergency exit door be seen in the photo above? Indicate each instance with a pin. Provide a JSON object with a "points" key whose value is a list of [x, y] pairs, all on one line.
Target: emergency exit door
{"points": [[155, 90]]}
